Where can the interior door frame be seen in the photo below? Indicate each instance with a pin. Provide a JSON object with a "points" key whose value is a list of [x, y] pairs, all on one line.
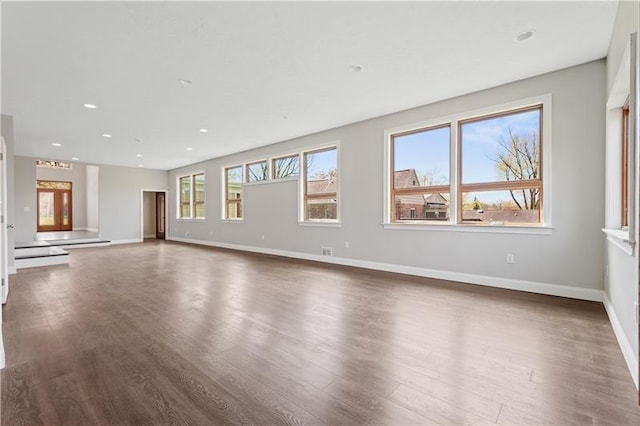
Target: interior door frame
{"points": [[166, 211], [4, 248], [161, 235]]}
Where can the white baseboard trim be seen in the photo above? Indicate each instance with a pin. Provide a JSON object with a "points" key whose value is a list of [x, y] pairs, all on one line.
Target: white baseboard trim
{"points": [[629, 355], [129, 241], [12, 270], [80, 229], [150, 235], [506, 283], [92, 229]]}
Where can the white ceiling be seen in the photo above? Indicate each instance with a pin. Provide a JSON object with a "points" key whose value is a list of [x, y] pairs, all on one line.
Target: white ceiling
{"points": [[253, 64]]}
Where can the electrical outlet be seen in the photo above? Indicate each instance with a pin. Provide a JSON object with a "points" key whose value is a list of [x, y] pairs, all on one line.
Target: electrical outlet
{"points": [[510, 258], [326, 251], [346, 244], [187, 234], [262, 237]]}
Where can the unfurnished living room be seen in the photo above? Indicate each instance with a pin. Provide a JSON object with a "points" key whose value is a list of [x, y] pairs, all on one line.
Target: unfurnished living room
{"points": [[401, 213]]}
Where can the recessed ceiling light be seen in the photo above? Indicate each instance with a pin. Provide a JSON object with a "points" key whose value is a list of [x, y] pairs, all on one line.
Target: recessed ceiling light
{"points": [[138, 140], [75, 158], [284, 117], [189, 149], [90, 106], [203, 130], [523, 36], [106, 135], [186, 83], [355, 68], [140, 165], [138, 155], [56, 144]]}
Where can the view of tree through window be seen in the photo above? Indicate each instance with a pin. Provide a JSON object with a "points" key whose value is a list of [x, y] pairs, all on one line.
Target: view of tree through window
{"points": [[257, 171], [286, 166], [320, 186], [191, 197], [500, 166]]}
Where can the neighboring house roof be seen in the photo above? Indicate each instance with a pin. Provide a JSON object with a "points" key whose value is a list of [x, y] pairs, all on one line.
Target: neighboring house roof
{"points": [[323, 186], [406, 178]]}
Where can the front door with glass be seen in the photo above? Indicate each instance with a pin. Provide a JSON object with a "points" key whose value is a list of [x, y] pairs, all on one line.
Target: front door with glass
{"points": [[54, 206]]}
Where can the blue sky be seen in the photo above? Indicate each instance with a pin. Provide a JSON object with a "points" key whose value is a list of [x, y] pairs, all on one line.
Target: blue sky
{"points": [[322, 162]]}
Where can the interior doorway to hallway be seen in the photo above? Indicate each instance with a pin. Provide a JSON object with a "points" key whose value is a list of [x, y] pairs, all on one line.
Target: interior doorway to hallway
{"points": [[154, 214]]}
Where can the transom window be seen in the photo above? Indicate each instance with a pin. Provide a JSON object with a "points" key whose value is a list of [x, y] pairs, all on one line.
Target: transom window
{"points": [[482, 170], [286, 166], [320, 183], [191, 196], [233, 193], [257, 171]]}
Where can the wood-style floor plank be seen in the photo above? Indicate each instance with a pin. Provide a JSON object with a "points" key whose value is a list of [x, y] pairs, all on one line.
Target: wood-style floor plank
{"points": [[168, 333]]}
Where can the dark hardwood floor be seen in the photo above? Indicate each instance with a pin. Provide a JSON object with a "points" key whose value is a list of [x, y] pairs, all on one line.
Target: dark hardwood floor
{"points": [[166, 333]]}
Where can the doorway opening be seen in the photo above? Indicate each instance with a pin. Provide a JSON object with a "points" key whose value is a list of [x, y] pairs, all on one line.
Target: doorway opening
{"points": [[154, 214], [54, 206]]}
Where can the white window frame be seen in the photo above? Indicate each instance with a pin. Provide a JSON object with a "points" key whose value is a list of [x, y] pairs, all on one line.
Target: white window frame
{"points": [[544, 227], [302, 220], [223, 172], [192, 209]]}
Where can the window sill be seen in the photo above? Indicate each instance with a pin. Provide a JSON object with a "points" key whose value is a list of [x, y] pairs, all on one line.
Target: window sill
{"points": [[491, 229], [232, 220], [620, 239], [321, 224]]}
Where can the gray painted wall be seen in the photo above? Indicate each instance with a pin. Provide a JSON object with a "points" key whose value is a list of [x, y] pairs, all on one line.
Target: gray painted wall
{"points": [[25, 199], [149, 214], [621, 287], [77, 175], [7, 133], [120, 199], [93, 187], [571, 256]]}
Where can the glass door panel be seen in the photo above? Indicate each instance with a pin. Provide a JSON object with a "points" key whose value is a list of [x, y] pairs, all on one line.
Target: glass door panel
{"points": [[46, 209]]}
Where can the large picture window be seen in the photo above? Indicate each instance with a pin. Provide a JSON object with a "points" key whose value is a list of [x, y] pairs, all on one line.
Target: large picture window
{"points": [[480, 169], [500, 168], [191, 196], [320, 183], [233, 193]]}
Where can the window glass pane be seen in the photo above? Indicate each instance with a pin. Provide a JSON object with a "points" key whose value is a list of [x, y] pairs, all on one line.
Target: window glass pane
{"points": [[184, 210], [199, 208], [503, 148], [257, 171], [286, 166], [514, 206], [185, 189], [234, 193], [422, 158], [625, 166], [322, 172], [46, 216], [198, 181], [322, 208], [422, 207], [48, 184]]}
